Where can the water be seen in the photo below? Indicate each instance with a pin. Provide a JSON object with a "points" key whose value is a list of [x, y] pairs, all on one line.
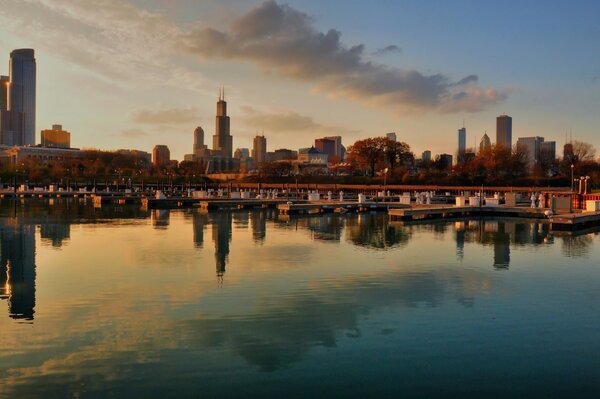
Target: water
{"points": [[120, 302]]}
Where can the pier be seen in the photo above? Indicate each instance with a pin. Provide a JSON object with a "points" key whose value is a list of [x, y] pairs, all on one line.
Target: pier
{"points": [[340, 207], [444, 212]]}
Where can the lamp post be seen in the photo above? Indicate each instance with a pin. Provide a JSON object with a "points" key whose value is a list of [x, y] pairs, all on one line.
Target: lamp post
{"points": [[572, 176], [385, 172]]}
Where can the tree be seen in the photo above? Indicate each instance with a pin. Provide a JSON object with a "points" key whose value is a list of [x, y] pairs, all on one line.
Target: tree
{"points": [[366, 153], [582, 152], [396, 152], [369, 152]]}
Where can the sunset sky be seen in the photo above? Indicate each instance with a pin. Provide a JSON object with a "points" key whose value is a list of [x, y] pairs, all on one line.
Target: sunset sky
{"points": [[121, 74]]}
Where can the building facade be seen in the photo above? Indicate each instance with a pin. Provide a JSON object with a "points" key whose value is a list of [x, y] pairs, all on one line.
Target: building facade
{"points": [[56, 137], [312, 155], [19, 129], [485, 144], [504, 132], [326, 146], [259, 150], [161, 155], [198, 141], [426, 156]]}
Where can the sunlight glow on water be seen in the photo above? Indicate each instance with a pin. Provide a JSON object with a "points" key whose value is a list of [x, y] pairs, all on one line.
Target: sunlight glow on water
{"points": [[121, 302]]}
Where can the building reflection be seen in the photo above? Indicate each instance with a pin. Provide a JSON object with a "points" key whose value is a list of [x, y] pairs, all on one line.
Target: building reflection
{"points": [[221, 235], [17, 269], [55, 233], [371, 231], [259, 226], [160, 218], [199, 221]]}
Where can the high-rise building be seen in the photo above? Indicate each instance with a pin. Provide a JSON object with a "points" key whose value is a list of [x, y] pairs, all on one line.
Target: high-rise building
{"points": [[198, 141], [445, 160], [531, 147], [340, 150], [259, 150], [56, 137], [4, 81], [462, 140], [391, 136], [4, 114], [485, 144], [161, 155], [548, 151], [21, 96], [426, 156], [222, 140], [504, 132], [326, 146]]}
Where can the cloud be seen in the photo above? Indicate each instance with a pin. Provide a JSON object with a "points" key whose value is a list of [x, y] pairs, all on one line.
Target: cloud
{"points": [[392, 48], [281, 39], [286, 121], [111, 39], [167, 116]]}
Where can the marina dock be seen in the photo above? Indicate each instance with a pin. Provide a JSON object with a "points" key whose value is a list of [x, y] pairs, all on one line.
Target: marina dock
{"points": [[575, 221], [340, 207], [443, 212]]}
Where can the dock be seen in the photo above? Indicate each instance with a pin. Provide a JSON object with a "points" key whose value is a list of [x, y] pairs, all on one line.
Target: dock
{"points": [[222, 204], [342, 206], [574, 221], [444, 212]]}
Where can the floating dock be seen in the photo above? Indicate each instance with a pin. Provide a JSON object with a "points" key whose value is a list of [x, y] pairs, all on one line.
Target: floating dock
{"points": [[443, 212], [574, 221], [331, 206], [216, 204]]}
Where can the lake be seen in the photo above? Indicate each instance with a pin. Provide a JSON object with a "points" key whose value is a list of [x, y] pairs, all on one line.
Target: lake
{"points": [[123, 302]]}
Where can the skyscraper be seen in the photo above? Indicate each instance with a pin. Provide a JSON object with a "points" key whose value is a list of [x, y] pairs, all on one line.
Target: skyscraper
{"points": [[222, 140], [198, 141], [485, 143], [259, 150], [326, 146], [531, 147], [161, 155], [4, 115], [462, 140], [504, 132], [21, 96], [4, 80], [391, 136]]}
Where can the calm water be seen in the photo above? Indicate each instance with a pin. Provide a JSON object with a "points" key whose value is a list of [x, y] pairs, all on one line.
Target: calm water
{"points": [[120, 302]]}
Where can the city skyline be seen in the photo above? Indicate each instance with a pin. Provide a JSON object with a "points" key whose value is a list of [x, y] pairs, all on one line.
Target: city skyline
{"points": [[161, 93]]}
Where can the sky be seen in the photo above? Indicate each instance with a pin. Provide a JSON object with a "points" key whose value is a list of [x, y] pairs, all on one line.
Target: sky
{"points": [[133, 74]]}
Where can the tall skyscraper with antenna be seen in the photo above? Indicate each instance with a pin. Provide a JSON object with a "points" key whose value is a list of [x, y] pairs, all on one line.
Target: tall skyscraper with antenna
{"points": [[222, 140], [462, 140]]}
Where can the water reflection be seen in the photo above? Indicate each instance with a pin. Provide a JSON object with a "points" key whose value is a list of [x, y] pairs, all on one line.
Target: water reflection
{"points": [[373, 232], [17, 268], [221, 236], [306, 296]]}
